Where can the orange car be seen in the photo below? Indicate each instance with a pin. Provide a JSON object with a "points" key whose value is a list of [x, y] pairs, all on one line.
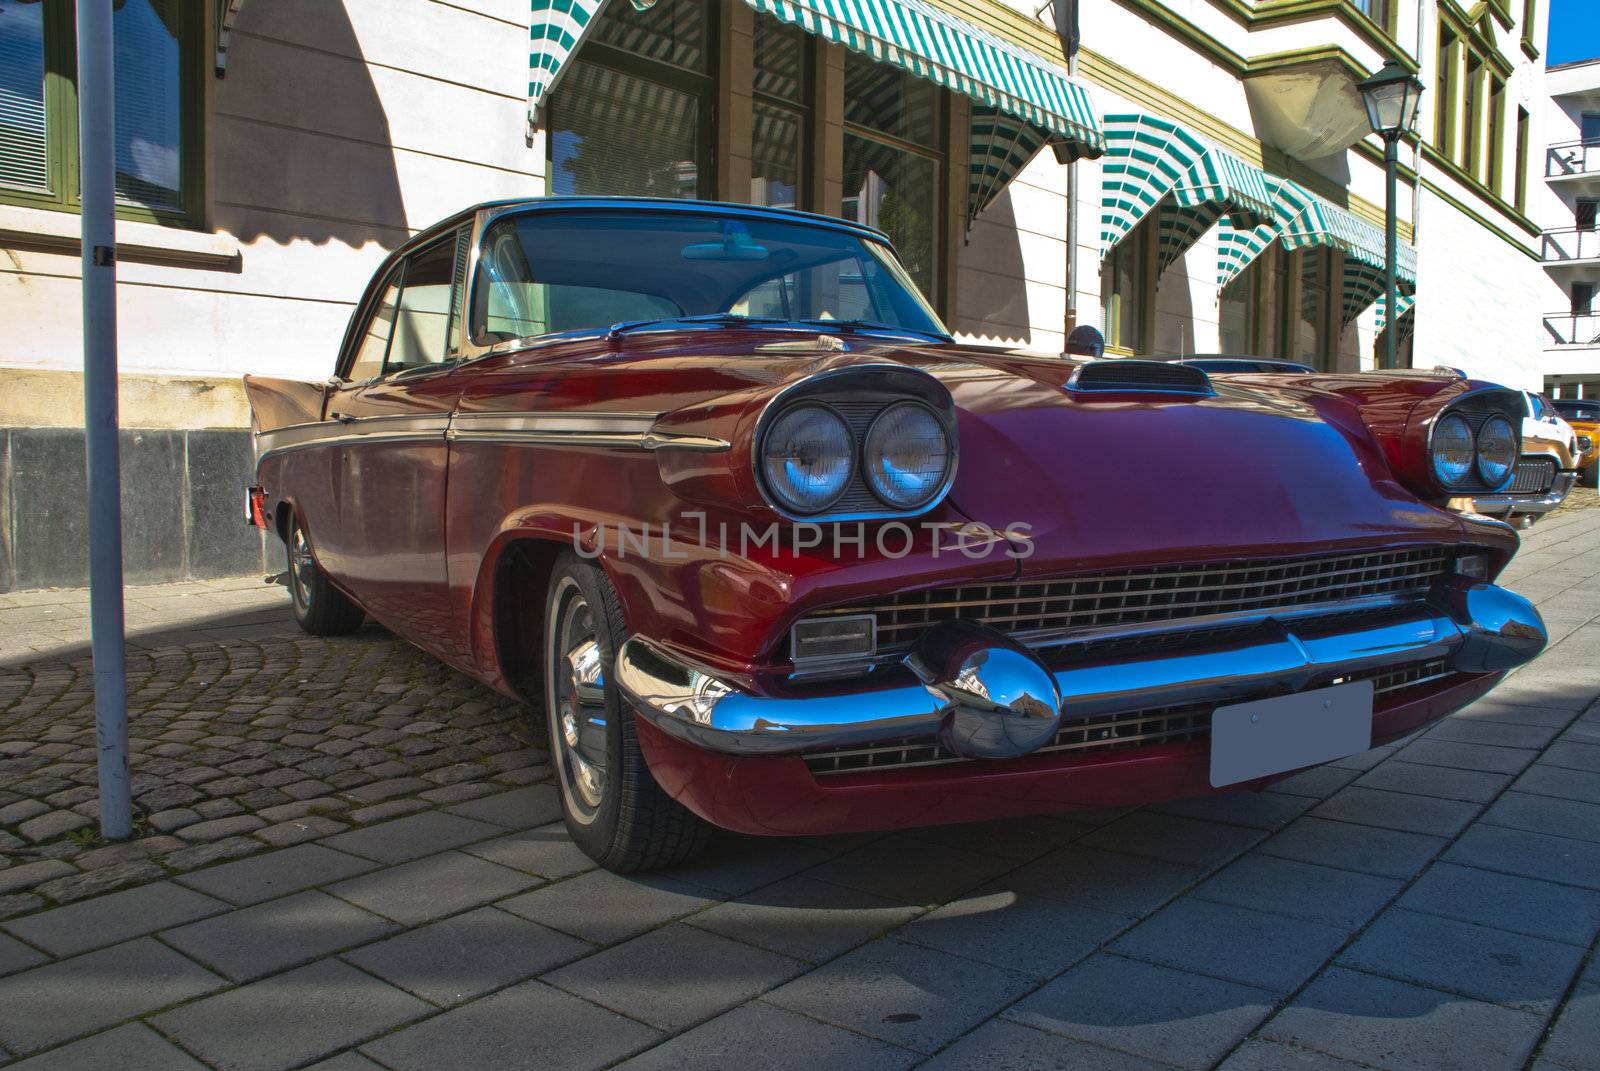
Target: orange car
{"points": [[1584, 416]]}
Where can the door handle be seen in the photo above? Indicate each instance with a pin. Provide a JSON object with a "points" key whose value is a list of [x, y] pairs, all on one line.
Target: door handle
{"points": [[343, 418]]}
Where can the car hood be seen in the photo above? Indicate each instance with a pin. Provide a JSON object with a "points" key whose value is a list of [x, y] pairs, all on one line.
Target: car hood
{"points": [[1265, 466], [1102, 480]]}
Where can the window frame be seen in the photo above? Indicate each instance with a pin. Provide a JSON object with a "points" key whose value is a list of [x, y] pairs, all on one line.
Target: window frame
{"points": [[804, 109], [938, 153], [701, 85], [1520, 185], [1139, 242], [393, 271], [61, 121], [451, 350]]}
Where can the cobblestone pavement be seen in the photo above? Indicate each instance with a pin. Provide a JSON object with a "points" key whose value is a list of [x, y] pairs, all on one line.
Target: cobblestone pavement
{"points": [[350, 858]]}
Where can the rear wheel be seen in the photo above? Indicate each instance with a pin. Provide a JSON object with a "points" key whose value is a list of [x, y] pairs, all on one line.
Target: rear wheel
{"points": [[319, 607], [613, 807]]}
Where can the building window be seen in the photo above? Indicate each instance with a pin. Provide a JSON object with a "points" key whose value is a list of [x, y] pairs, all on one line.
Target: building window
{"points": [[1376, 10], [893, 159], [1445, 113], [1582, 298], [1470, 114], [1521, 182], [632, 117], [1495, 142], [1589, 128], [1125, 283], [1237, 310], [1305, 301], [781, 112], [159, 61], [1587, 213]]}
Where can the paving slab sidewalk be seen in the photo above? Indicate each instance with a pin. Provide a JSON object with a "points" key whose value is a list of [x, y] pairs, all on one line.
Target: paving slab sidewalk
{"points": [[349, 853]]}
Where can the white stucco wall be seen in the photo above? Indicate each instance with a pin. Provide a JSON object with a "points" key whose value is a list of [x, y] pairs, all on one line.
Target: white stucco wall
{"points": [[339, 129]]}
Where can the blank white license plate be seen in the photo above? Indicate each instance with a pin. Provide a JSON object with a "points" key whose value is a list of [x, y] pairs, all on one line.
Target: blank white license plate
{"points": [[1272, 736]]}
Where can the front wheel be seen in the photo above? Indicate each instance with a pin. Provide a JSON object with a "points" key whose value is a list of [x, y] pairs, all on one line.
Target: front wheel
{"points": [[319, 607], [613, 807]]}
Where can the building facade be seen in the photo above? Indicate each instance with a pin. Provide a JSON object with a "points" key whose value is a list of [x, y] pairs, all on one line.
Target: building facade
{"points": [[1569, 211], [1206, 185]]}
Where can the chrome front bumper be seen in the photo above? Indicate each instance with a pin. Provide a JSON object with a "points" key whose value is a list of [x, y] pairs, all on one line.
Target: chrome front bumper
{"points": [[988, 698], [1503, 505]]}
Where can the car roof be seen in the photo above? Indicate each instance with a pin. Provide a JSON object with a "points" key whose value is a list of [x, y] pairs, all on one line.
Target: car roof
{"points": [[653, 204]]}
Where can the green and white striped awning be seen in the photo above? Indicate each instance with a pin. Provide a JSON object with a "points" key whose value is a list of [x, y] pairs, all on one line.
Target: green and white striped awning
{"points": [[1151, 161], [1000, 146], [1406, 303], [1302, 220], [554, 34], [1021, 100], [933, 44]]}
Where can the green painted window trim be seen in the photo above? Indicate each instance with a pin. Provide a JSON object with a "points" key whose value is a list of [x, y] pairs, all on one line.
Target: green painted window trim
{"points": [[61, 122], [1490, 199], [1444, 128], [1530, 18], [1524, 121]]}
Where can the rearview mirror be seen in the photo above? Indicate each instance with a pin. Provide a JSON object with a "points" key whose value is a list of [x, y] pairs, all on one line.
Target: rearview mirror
{"points": [[736, 244]]}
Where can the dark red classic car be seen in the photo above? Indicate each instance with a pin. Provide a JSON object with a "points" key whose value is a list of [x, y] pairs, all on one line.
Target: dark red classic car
{"points": [[713, 486]]}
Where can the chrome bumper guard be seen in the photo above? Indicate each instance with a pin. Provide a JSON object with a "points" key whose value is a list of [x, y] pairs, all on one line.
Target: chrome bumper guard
{"points": [[1502, 505], [987, 697]]}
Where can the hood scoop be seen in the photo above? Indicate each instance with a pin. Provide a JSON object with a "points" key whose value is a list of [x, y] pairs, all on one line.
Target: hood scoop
{"points": [[1125, 376]]}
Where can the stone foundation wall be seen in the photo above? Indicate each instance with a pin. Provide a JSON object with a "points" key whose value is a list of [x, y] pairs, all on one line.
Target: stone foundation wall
{"points": [[182, 507]]}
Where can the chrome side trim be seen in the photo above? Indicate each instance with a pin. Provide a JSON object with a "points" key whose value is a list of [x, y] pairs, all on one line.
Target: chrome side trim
{"points": [[573, 429], [351, 430], [1475, 628], [631, 430]]}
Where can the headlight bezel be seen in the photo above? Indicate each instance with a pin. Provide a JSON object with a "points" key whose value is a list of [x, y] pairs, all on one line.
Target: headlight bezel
{"points": [[860, 393], [851, 455], [867, 456], [1464, 480], [1492, 483]]}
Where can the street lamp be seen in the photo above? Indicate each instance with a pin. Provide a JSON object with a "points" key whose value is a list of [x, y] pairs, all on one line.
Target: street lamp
{"points": [[1391, 98]]}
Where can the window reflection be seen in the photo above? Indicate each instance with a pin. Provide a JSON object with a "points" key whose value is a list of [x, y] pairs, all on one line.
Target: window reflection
{"points": [[148, 124], [24, 159]]}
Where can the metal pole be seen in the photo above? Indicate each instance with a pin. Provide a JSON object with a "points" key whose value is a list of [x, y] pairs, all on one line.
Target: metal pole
{"points": [[1070, 317], [96, 155], [1391, 163]]}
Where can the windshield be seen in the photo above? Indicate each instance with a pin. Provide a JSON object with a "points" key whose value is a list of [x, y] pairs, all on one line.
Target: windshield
{"points": [[1579, 410], [549, 272]]}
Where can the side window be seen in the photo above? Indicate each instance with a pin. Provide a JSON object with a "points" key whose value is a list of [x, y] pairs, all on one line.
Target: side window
{"points": [[422, 319], [374, 342]]}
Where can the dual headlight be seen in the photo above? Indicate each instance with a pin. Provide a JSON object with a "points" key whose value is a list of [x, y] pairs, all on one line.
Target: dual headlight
{"points": [[809, 459], [1458, 452]]}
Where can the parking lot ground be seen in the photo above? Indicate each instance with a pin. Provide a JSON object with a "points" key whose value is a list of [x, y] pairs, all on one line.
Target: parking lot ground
{"points": [[349, 857]]}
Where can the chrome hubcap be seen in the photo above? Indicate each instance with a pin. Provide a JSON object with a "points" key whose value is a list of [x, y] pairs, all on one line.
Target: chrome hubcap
{"points": [[302, 570], [578, 705]]}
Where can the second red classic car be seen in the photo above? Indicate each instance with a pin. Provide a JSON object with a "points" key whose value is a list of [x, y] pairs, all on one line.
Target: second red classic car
{"points": [[713, 486]]}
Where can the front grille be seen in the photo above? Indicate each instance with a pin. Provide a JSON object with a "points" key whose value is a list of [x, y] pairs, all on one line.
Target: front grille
{"points": [[1535, 475], [1143, 596], [1114, 732]]}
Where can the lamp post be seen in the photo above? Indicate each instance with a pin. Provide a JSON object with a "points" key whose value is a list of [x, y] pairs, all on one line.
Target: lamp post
{"points": [[1391, 98]]}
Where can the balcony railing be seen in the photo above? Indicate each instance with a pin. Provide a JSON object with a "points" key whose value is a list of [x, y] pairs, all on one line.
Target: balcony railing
{"points": [[1570, 245], [1573, 328], [1572, 158]]}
